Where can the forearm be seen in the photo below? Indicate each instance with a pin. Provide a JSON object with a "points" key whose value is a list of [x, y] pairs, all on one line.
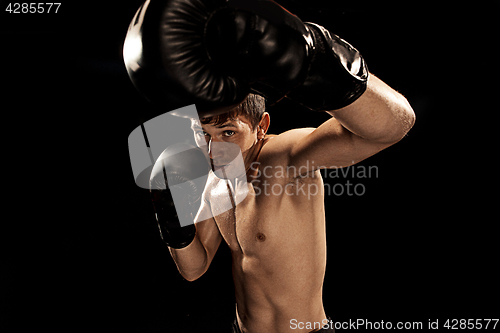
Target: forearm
{"points": [[191, 261], [380, 114]]}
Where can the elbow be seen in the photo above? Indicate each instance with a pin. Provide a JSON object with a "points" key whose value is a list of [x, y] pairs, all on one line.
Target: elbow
{"points": [[190, 278], [402, 123], [407, 116], [194, 274]]}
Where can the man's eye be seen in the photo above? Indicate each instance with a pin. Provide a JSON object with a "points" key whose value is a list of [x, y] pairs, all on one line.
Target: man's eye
{"points": [[205, 133], [229, 133]]}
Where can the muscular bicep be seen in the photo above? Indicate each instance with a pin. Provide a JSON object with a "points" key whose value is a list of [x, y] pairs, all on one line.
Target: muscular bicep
{"points": [[329, 146], [377, 119]]}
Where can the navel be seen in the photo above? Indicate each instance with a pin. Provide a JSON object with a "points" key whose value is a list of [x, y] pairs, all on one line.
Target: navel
{"points": [[261, 237]]}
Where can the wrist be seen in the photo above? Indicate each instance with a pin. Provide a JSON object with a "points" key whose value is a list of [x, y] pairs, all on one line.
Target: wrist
{"points": [[177, 238]]}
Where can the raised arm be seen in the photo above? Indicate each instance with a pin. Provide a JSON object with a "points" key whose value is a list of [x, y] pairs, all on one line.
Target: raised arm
{"points": [[379, 118]]}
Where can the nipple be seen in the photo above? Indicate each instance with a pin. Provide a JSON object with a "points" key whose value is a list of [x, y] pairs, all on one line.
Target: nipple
{"points": [[261, 237]]}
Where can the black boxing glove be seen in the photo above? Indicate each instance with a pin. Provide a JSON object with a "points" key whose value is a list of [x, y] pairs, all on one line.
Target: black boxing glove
{"points": [[214, 52], [337, 73], [166, 58], [179, 171], [278, 55]]}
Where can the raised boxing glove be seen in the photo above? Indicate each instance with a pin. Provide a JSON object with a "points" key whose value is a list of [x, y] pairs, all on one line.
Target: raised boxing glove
{"points": [[214, 52]]}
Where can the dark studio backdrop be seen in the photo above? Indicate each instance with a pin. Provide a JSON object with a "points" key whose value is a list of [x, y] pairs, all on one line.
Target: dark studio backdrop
{"points": [[81, 251]]}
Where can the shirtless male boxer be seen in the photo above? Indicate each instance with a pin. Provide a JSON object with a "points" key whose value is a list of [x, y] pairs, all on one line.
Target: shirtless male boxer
{"points": [[224, 55]]}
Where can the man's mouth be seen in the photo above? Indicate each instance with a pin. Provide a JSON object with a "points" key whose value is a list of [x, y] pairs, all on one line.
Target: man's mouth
{"points": [[218, 166]]}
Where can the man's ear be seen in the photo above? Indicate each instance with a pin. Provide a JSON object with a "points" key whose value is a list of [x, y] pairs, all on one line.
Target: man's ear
{"points": [[263, 126]]}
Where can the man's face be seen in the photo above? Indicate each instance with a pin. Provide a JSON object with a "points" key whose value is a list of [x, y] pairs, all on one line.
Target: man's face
{"points": [[227, 140]]}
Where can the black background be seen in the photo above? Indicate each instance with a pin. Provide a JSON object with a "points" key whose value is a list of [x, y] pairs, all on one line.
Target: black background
{"points": [[79, 247]]}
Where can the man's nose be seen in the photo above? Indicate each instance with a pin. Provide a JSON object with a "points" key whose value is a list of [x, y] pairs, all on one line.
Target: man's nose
{"points": [[223, 152], [214, 148]]}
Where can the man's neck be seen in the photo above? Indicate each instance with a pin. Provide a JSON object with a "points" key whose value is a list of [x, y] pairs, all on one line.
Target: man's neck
{"points": [[252, 158]]}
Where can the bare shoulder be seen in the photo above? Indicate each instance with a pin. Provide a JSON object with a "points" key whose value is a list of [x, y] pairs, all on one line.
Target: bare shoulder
{"points": [[277, 148], [286, 140]]}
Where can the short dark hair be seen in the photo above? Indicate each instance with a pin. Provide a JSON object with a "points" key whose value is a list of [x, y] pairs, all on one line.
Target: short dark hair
{"points": [[253, 107]]}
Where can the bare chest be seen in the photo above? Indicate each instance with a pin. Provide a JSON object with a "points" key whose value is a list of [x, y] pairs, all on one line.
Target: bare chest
{"points": [[269, 214], [241, 226]]}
